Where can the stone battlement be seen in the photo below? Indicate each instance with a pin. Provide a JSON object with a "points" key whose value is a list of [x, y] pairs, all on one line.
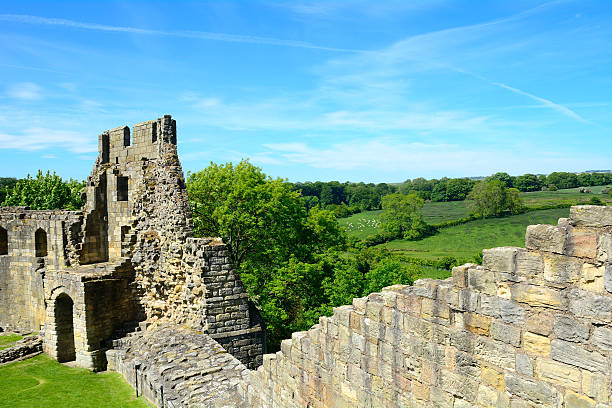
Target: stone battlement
{"points": [[529, 328]]}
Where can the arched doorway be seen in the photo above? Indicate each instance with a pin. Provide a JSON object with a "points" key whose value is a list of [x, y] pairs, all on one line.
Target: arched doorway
{"points": [[64, 328], [40, 242]]}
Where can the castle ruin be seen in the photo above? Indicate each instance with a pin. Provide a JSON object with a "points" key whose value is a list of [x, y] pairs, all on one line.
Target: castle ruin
{"points": [[127, 260], [530, 327]]}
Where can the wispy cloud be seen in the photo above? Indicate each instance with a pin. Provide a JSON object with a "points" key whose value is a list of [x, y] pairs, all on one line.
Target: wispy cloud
{"points": [[25, 91], [548, 103], [202, 35], [33, 139]]}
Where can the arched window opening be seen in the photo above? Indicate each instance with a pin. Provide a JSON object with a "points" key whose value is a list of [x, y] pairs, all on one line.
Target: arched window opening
{"points": [[40, 242], [64, 328], [3, 241]]}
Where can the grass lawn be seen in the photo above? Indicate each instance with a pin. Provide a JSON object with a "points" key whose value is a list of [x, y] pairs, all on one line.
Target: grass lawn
{"points": [[8, 340], [467, 240], [433, 273], [43, 382]]}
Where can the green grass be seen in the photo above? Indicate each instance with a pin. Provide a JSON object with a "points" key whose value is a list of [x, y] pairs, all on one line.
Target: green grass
{"points": [[367, 223], [433, 273], [572, 195], [467, 240], [8, 340], [363, 224], [43, 382]]}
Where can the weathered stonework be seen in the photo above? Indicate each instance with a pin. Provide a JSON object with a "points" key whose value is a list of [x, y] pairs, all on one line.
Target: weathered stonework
{"points": [[127, 260], [530, 328]]}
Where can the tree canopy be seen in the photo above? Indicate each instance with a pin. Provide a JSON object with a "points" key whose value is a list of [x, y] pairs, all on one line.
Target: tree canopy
{"points": [[46, 192], [401, 216], [492, 197]]}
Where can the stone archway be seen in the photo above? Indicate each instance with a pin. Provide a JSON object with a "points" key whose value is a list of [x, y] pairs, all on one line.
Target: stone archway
{"points": [[64, 328]]}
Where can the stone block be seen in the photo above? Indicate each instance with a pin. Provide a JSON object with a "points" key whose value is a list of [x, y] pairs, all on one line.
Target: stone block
{"points": [[533, 391], [575, 400], [595, 385], [539, 323], [570, 329], [477, 324], [523, 365], [536, 344], [545, 238], [562, 269], [558, 373], [482, 280], [608, 278], [529, 264], [460, 275], [506, 333], [581, 242], [591, 215], [604, 248], [587, 304], [493, 377], [572, 354], [535, 295], [502, 259], [602, 338]]}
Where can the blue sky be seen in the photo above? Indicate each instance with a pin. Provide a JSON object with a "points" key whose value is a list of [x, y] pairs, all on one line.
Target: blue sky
{"points": [[358, 91]]}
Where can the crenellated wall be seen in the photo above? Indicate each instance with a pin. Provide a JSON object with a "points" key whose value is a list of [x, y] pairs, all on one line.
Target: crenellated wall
{"points": [[529, 328]]}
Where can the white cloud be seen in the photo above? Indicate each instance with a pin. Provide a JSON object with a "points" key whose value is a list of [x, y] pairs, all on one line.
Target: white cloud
{"points": [[49, 156], [25, 91], [33, 139]]}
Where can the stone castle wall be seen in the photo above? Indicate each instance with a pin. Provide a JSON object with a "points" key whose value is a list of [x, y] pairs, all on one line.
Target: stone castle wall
{"points": [[127, 260], [529, 328]]}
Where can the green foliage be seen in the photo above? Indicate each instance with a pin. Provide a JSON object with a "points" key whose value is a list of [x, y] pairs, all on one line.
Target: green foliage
{"points": [[6, 184], [402, 217], [492, 198], [46, 192], [42, 382], [596, 201], [527, 182], [390, 272]]}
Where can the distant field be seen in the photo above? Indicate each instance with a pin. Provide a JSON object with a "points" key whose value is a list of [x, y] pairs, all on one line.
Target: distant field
{"points": [[562, 196], [42, 382], [367, 223], [467, 240]]}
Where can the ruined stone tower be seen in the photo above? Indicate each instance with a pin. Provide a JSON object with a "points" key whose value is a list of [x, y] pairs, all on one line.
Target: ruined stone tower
{"points": [[127, 261]]}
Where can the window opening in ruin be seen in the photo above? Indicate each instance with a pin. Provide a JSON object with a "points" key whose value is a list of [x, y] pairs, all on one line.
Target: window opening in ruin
{"points": [[40, 242], [122, 188], [64, 328], [116, 159], [3, 241]]}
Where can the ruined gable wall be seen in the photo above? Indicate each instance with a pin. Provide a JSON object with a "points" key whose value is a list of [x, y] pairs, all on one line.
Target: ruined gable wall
{"points": [[530, 327]]}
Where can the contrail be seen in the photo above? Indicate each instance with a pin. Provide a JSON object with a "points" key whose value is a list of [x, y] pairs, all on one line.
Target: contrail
{"points": [[203, 35]]}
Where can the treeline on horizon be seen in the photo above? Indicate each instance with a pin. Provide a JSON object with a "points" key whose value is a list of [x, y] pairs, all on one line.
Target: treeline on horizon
{"points": [[348, 198]]}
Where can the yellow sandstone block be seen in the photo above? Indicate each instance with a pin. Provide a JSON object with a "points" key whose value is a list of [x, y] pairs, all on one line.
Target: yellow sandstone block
{"points": [[536, 344]]}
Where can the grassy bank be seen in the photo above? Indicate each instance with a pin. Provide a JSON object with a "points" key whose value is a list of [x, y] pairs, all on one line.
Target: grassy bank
{"points": [[467, 240], [42, 382]]}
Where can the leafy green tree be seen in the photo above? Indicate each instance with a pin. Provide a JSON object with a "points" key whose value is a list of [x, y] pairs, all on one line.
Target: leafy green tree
{"points": [[46, 192], [505, 178], [401, 216], [563, 179], [6, 184], [527, 182], [388, 272], [491, 198]]}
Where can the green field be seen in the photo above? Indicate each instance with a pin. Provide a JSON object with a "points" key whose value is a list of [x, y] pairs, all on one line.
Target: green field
{"points": [[570, 195], [41, 382], [8, 340], [467, 240], [367, 223]]}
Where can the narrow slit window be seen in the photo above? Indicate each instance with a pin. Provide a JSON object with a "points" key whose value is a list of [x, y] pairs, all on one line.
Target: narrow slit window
{"points": [[122, 188], [3, 241], [40, 242]]}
